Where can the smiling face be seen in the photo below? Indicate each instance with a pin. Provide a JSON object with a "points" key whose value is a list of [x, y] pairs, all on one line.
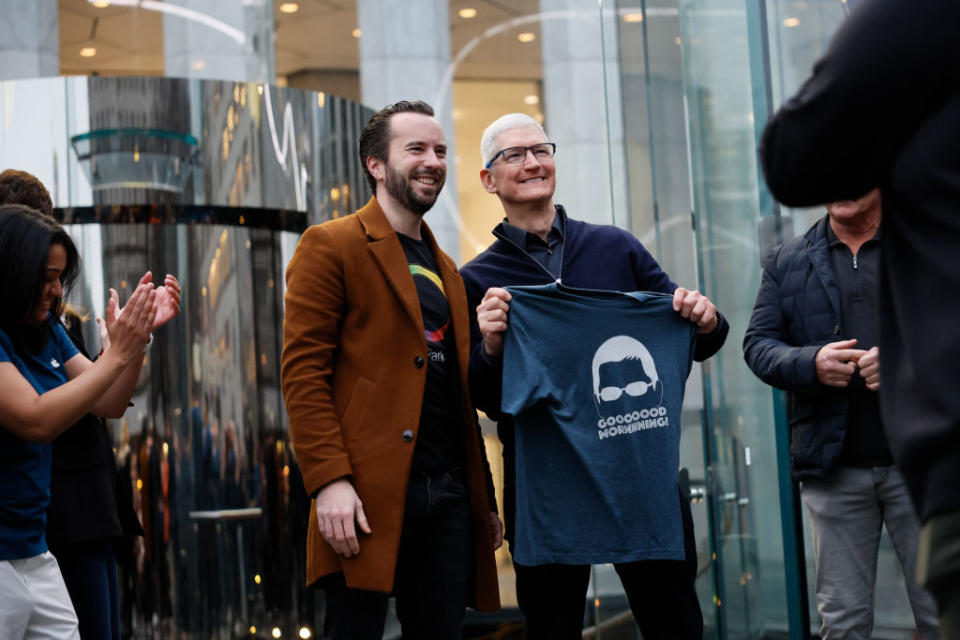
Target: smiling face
{"points": [[51, 288], [530, 181], [416, 165]]}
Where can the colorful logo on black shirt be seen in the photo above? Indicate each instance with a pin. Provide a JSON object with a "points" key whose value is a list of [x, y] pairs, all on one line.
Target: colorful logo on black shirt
{"points": [[432, 333]]}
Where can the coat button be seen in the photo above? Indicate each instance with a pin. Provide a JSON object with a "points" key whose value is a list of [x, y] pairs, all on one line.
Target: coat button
{"points": [[407, 435], [418, 362]]}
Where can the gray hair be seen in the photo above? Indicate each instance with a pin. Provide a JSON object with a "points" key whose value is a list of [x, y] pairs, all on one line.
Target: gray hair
{"points": [[488, 143]]}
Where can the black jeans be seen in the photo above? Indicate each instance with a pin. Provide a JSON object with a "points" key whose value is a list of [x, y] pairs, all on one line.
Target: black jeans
{"points": [[661, 593], [434, 570]]}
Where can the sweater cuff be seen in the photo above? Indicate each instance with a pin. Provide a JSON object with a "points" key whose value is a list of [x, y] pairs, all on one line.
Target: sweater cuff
{"points": [[489, 359]]}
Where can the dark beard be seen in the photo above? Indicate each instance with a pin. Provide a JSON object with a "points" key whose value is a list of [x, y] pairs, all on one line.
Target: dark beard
{"points": [[400, 188]]}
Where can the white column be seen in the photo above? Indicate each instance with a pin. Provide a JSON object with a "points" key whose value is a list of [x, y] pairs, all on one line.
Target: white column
{"points": [[404, 55], [29, 45], [577, 114], [219, 39]]}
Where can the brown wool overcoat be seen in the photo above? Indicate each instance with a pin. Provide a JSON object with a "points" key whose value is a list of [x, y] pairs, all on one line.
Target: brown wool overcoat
{"points": [[353, 381]]}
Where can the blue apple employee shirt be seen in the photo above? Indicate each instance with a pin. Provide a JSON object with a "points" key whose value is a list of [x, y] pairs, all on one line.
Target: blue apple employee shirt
{"points": [[595, 381], [25, 466]]}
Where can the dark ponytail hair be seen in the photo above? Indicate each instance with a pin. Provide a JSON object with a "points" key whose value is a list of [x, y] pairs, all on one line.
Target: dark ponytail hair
{"points": [[26, 236]]}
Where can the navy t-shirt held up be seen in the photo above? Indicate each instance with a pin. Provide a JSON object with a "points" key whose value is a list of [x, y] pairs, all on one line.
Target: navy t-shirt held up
{"points": [[595, 380]]}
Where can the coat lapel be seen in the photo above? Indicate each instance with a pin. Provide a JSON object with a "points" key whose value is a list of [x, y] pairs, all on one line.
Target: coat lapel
{"points": [[388, 255]]}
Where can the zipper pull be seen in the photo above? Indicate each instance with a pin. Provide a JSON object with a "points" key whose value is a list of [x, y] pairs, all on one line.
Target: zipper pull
{"points": [[854, 263]]}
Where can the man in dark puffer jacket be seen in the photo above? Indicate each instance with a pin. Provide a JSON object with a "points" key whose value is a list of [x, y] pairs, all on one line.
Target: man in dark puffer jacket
{"points": [[813, 333]]}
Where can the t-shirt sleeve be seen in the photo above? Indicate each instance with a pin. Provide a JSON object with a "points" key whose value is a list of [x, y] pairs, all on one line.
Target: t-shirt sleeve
{"points": [[524, 370], [64, 344], [4, 356]]}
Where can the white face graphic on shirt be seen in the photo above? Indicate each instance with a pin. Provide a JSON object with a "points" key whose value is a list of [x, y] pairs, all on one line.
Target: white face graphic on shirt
{"points": [[624, 377]]}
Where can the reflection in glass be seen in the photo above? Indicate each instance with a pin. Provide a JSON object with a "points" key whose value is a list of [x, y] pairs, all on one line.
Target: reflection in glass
{"points": [[205, 445]]}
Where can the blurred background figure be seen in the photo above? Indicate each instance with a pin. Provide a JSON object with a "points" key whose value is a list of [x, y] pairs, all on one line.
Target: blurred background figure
{"points": [[882, 109]]}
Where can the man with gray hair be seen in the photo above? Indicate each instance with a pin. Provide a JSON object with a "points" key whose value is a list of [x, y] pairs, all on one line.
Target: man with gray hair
{"points": [[538, 244]]}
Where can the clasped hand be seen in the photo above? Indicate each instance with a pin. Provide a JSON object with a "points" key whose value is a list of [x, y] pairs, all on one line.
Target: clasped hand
{"points": [[836, 363]]}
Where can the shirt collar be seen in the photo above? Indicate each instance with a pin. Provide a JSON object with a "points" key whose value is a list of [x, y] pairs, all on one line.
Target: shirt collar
{"points": [[833, 241], [523, 238]]}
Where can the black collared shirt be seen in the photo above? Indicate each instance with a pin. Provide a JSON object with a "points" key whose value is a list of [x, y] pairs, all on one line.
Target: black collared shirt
{"points": [[546, 253], [865, 444]]}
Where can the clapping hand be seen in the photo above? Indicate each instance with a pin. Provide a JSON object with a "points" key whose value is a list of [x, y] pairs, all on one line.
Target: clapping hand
{"points": [[166, 300]]}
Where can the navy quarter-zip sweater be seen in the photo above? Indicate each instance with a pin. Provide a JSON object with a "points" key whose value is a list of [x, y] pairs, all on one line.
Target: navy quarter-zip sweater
{"points": [[592, 257]]}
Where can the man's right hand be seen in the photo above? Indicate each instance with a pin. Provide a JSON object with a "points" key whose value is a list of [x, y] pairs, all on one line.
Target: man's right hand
{"points": [[338, 507], [492, 318], [837, 361]]}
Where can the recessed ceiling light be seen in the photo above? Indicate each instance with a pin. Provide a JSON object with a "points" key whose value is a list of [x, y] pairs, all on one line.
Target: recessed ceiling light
{"points": [[531, 99], [633, 17], [289, 7], [678, 40], [199, 65], [468, 12], [100, 4], [88, 52], [527, 36], [791, 22], [356, 33]]}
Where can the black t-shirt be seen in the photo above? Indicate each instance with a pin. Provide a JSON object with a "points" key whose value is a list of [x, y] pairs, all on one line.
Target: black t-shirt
{"points": [[440, 445]]}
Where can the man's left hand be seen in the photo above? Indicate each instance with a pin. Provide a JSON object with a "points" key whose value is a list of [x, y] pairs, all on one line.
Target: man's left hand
{"points": [[497, 528], [697, 308], [869, 365]]}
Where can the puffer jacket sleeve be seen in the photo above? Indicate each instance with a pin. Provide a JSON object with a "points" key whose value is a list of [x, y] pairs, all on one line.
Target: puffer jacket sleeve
{"points": [[767, 345]]}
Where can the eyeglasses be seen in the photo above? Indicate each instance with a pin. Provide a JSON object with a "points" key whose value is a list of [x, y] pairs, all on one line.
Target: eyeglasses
{"points": [[516, 155], [634, 389]]}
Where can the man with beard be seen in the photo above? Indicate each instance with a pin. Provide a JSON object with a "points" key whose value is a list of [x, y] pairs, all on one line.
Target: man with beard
{"points": [[376, 344]]}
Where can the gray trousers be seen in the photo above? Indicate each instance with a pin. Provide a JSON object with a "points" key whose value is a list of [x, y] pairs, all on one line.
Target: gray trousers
{"points": [[847, 512]]}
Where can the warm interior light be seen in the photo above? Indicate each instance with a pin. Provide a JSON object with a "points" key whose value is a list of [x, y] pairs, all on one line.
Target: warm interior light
{"points": [[305, 633], [527, 36], [101, 4], [468, 12], [633, 17], [289, 7], [531, 99], [791, 22], [276, 632], [356, 33], [199, 65], [88, 52]]}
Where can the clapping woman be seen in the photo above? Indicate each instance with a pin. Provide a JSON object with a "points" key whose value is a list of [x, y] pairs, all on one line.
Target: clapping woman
{"points": [[46, 385]]}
